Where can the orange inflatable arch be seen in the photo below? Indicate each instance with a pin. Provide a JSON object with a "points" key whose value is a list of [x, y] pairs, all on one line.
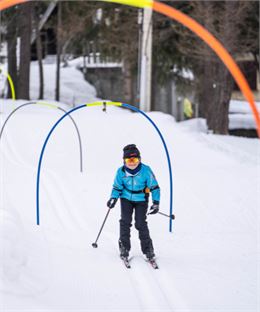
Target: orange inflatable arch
{"points": [[200, 31]]}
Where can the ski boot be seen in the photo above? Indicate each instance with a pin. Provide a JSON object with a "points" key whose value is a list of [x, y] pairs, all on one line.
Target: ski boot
{"points": [[124, 253], [149, 252], [150, 258], [150, 255]]}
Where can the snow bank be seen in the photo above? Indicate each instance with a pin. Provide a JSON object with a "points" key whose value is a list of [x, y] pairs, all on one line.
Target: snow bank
{"points": [[208, 263], [236, 106], [74, 89]]}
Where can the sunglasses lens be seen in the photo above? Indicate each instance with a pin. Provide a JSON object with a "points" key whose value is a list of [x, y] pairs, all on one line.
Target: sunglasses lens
{"points": [[132, 160]]}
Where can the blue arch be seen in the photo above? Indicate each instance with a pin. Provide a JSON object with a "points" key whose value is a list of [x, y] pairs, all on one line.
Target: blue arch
{"points": [[85, 105]]}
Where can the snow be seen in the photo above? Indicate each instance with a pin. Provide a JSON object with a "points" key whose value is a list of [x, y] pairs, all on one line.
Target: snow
{"points": [[185, 73], [74, 89], [236, 106], [209, 262], [240, 115], [3, 79], [242, 121], [92, 63], [195, 125]]}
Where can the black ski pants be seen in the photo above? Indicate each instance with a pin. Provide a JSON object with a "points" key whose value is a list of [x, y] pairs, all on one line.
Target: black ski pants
{"points": [[140, 208]]}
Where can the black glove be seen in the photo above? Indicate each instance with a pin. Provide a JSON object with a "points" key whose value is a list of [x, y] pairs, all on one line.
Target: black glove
{"points": [[154, 208], [112, 202]]}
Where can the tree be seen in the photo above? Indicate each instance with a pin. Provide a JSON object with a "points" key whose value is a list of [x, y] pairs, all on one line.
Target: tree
{"points": [[25, 29], [70, 21], [235, 24], [59, 44], [119, 41], [39, 49], [11, 37], [226, 20], [106, 30]]}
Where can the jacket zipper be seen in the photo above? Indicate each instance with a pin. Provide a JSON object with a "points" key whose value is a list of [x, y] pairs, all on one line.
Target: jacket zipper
{"points": [[132, 186]]}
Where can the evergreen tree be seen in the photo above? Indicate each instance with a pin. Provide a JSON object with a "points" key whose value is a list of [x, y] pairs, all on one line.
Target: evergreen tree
{"points": [[235, 24]]}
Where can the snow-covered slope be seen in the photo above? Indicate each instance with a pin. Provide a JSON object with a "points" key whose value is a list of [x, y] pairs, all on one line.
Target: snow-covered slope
{"points": [[74, 90], [209, 262]]}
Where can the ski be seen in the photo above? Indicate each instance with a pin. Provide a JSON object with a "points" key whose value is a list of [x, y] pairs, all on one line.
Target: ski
{"points": [[126, 262], [153, 263]]}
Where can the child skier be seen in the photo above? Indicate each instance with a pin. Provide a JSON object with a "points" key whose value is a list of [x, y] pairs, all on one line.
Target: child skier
{"points": [[132, 184]]}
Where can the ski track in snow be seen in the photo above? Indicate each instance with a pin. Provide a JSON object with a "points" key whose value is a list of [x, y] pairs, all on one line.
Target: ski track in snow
{"points": [[151, 295], [29, 282], [74, 275], [60, 203], [219, 145]]}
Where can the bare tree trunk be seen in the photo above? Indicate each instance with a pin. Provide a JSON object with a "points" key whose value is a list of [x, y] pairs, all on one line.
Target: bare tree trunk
{"points": [[223, 90], [217, 113], [57, 91], [216, 89], [25, 26], [217, 81], [205, 85], [11, 51], [39, 56]]}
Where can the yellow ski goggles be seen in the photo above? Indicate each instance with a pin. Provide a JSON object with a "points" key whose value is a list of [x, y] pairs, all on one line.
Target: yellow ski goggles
{"points": [[131, 160]]}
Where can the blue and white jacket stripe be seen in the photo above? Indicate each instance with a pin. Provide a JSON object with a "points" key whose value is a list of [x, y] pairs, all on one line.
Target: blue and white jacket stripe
{"points": [[124, 183]]}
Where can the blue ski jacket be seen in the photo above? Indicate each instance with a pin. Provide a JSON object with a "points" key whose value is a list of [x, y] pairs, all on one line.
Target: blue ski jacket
{"points": [[134, 187]]}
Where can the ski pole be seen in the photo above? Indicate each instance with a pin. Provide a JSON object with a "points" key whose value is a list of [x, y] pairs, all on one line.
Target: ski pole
{"points": [[94, 245], [171, 216]]}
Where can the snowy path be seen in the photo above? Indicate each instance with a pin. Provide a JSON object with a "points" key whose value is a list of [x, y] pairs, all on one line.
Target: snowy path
{"points": [[209, 262]]}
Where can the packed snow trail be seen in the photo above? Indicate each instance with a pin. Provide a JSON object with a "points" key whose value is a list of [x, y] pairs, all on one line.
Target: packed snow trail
{"points": [[208, 262]]}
